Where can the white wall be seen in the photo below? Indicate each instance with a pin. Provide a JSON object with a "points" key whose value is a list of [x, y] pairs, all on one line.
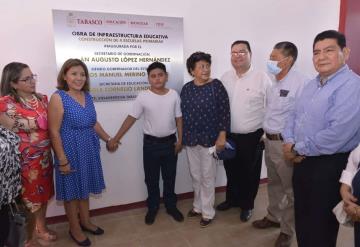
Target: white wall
{"points": [[27, 35]]}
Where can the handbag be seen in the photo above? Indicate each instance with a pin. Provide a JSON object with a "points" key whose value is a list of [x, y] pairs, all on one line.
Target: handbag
{"points": [[18, 222], [228, 152]]}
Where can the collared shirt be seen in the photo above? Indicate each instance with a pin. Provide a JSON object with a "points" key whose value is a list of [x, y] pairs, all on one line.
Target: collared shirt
{"points": [[352, 167], [247, 96], [326, 119], [281, 100]]}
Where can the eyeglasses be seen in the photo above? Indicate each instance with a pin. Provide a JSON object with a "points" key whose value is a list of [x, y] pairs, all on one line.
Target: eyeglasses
{"points": [[29, 78], [239, 53]]}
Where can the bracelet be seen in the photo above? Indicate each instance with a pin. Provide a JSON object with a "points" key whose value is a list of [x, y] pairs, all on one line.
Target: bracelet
{"points": [[108, 140], [64, 164]]}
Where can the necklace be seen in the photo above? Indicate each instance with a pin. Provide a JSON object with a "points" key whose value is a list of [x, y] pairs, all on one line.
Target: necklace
{"points": [[32, 103]]}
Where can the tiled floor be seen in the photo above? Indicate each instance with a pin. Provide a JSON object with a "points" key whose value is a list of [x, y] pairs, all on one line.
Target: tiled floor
{"points": [[128, 229]]}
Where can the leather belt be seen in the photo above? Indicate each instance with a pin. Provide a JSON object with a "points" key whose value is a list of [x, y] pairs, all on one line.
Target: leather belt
{"points": [[274, 137], [165, 139]]}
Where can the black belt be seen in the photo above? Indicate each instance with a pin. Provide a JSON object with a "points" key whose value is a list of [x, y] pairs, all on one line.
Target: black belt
{"points": [[274, 137], [164, 139]]}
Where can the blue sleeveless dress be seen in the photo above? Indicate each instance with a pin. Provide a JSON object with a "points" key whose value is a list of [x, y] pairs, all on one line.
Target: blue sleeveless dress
{"points": [[82, 148]]}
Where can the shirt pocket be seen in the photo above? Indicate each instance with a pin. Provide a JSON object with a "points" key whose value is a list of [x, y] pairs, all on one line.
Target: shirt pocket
{"points": [[254, 98]]}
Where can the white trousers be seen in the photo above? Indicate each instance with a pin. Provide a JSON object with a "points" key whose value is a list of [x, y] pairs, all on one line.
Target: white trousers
{"points": [[203, 172]]}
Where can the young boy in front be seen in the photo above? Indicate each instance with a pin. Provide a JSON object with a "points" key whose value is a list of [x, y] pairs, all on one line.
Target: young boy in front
{"points": [[160, 107]]}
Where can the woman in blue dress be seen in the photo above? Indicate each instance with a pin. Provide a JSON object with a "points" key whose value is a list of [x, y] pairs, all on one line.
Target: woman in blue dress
{"points": [[75, 136]]}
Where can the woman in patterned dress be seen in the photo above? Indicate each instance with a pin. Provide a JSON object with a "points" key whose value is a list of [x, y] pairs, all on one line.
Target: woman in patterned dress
{"points": [[75, 136], [206, 119], [24, 111]]}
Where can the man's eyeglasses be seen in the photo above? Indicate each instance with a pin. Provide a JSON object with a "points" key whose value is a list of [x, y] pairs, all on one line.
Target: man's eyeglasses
{"points": [[29, 79], [239, 53]]}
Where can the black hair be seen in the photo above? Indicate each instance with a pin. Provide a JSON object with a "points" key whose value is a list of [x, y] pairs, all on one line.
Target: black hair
{"points": [[331, 34], [196, 57], [287, 49], [156, 65], [245, 42]]}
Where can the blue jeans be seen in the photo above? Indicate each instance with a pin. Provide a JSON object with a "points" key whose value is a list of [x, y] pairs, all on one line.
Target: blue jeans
{"points": [[159, 155]]}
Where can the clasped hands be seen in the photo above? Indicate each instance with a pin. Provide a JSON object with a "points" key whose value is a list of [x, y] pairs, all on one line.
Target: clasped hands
{"points": [[290, 155], [350, 206], [112, 145]]}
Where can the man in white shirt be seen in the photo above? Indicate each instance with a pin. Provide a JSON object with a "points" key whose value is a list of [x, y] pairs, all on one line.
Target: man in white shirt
{"points": [[288, 83], [247, 90]]}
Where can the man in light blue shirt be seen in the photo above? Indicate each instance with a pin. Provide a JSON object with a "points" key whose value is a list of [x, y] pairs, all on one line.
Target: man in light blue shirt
{"points": [[319, 134], [288, 83]]}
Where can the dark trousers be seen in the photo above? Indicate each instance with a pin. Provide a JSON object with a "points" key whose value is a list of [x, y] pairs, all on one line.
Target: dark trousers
{"points": [[4, 225], [316, 193], [357, 234], [356, 192], [159, 155], [243, 172]]}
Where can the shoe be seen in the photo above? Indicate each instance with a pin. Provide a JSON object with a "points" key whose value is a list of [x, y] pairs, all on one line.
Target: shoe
{"points": [[98, 231], [85, 242], [224, 206], [205, 222], [30, 243], [283, 240], [245, 215], [47, 235], [150, 217], [192, 213], [265, 223], [176, 214]]}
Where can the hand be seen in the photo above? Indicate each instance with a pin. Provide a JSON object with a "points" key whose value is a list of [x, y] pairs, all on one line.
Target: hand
{"points": [[220, 144], [290, 155], [112, 145], [353, 212], [347, 196], [178, 147], [65, 168], [287, 147], [298, 159]]}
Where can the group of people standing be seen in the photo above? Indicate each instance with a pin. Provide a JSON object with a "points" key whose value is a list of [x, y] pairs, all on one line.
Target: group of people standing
{"points": [[69, 126], [307, 127]]}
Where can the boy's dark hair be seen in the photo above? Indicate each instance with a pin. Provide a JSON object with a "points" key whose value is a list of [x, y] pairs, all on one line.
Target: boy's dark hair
{"points": [[331, 34], [196, 57], [156, 65]]}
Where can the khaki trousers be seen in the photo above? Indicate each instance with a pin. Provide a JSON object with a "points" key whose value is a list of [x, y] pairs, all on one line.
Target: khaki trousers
{"points": [[280, 189]]}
